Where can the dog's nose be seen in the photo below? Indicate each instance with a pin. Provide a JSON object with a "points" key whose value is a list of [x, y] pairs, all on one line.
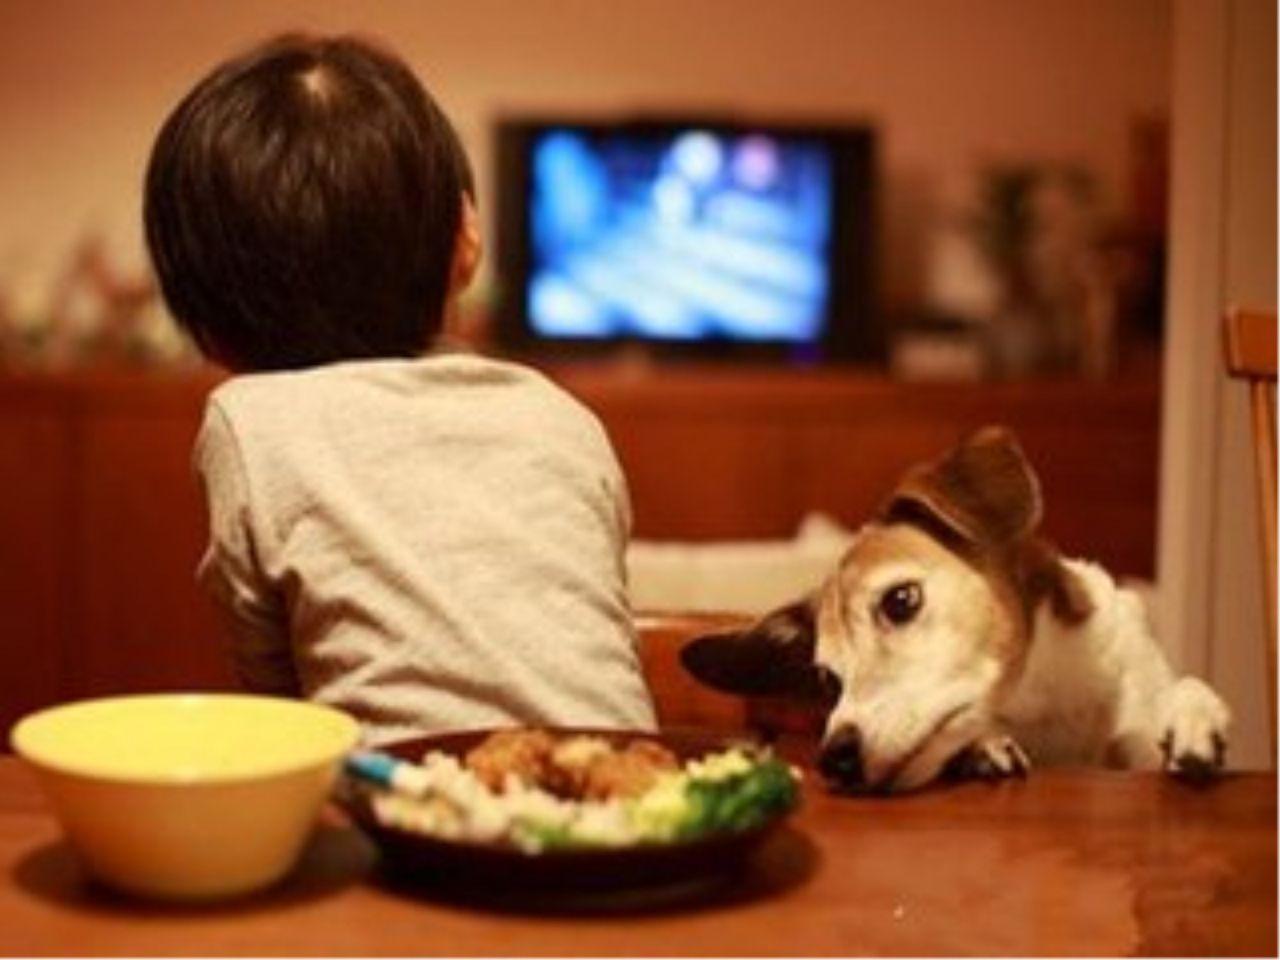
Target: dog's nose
{"points": [[841, 758]]}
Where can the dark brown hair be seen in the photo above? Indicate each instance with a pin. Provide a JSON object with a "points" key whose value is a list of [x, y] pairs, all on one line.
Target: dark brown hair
{"points": [[301, 207]]}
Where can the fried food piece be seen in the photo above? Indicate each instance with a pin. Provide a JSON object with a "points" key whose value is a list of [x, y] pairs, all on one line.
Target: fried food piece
{"points": [[577, 768], [627, 773], [571, 760], [525, 754]]}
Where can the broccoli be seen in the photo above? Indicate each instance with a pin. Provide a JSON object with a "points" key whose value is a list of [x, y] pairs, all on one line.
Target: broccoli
{"points": [[739, 802]]}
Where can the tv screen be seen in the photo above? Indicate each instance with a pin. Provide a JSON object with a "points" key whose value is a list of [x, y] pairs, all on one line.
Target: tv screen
{"points": [[680, 233]]}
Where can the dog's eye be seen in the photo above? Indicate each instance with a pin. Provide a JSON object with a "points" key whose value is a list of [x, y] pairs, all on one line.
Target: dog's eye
{"points": [[901, 602]]}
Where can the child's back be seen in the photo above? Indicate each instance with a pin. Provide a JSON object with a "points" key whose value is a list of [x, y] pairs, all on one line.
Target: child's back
{"points": [[439, 537], [429, 540]]}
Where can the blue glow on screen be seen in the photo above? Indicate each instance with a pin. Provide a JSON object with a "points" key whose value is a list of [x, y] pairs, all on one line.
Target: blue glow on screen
{"points": [[689, 236]]}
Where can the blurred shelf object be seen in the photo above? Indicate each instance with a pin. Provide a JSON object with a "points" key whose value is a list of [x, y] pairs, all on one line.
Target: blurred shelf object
{"points": [[88, 313]]}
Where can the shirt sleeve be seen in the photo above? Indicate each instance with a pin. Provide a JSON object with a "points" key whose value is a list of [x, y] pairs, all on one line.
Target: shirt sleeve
{"points": [[620, 494], [613, 481], [230, 571], [617, 501]]}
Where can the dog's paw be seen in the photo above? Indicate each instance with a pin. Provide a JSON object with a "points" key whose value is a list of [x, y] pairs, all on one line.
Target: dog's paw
{"points": [[1194, 724], [995, 756]]}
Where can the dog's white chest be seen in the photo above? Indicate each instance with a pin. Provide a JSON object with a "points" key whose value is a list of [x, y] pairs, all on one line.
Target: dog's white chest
{"points": [[1065, 707], [1058, 722]]}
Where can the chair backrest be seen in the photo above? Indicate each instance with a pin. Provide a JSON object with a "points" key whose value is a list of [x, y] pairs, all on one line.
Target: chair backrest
{"points": [[1250, 343], [681, 701]]}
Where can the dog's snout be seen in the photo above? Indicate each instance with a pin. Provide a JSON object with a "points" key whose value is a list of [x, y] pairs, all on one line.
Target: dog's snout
{"points": [[841, 758]]}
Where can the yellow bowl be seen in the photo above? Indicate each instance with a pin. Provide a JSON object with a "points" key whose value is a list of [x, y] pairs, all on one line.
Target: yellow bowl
{"points": [[187, 796]]}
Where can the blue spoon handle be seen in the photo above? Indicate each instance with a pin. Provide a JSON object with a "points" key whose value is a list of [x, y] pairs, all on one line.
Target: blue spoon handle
{"points": [[379, 768]]}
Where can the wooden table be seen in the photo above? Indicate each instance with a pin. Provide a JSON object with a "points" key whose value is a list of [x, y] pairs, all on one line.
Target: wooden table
{"points": [[1066, 862]]}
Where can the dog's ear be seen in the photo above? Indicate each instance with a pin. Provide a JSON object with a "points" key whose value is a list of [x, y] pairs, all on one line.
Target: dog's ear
{"points": [[983, 491], [771, 658]]}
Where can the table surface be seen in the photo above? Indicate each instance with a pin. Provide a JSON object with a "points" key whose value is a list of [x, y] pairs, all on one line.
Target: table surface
{"points": [[1066, 862]]}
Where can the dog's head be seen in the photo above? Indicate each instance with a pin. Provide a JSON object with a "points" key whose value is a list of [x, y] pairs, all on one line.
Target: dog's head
{"points": [[923, 626]]}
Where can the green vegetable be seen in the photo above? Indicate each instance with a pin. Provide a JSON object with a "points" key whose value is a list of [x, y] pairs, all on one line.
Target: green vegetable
{"points": [[739, 802]]}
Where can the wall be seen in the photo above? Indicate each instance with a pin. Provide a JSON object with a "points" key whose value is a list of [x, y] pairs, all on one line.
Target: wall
{"points": [[1222, 254], [84, 85]]}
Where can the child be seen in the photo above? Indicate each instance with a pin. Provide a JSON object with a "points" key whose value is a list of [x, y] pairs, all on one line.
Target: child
{"points": [[427, 540]]}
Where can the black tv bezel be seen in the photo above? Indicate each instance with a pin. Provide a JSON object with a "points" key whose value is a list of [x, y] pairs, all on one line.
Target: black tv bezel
{"points": [[852, 331]]}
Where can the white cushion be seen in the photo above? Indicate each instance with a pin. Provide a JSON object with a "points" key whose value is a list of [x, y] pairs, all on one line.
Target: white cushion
{"points": [[735, 576]]}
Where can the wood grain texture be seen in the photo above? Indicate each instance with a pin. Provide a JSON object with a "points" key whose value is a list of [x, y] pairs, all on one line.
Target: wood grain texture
{"points": [[1065, 863]]}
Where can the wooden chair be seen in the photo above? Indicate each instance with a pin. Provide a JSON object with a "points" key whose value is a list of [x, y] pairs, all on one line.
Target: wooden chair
{"points": [[1250, 342], [681, 701]]}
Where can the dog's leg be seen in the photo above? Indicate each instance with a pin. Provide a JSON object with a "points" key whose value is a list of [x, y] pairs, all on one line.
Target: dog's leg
{"points": [[1193, 721], [1160, 720], [1178, 724], [994, 756]]}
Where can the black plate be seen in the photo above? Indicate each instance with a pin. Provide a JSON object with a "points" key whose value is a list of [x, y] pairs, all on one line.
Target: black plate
{"points": [[500, 866]]}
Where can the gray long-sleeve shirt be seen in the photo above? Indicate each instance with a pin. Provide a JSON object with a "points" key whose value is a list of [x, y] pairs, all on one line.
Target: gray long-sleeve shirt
{"points": [[429, 544]]}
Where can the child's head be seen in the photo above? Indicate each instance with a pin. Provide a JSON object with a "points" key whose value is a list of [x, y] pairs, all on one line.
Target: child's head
{"points": [[309, 202]]}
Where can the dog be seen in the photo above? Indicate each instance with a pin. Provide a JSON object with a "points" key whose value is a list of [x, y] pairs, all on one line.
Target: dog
{"points": [[951, 639]]}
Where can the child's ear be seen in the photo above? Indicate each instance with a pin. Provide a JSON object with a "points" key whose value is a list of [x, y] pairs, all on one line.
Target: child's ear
{"points": [[467, 248]]}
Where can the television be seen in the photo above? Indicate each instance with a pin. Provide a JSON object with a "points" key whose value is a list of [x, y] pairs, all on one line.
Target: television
{"points": [[692, 236]]}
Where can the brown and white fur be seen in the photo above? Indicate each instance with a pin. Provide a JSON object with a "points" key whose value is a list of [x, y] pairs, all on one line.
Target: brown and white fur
{"points": [[951, 638]]}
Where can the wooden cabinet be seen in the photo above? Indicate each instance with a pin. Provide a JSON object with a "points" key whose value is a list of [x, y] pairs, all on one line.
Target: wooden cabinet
{"points": [[100, 527], [36, 530], [717, 454], [101, 523], [140, 622]]}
